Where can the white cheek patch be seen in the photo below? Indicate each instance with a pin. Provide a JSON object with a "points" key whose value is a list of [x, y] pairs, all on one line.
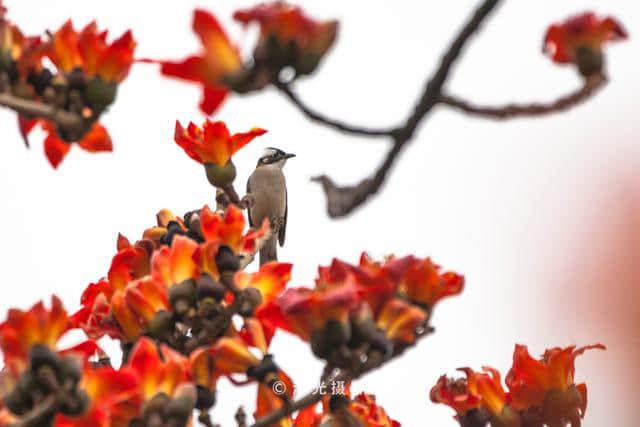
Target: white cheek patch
{"points": [[269, 152]]}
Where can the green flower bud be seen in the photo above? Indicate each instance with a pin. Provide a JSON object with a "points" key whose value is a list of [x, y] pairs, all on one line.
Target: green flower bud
{"points": [[100, 94], [219, 176]]}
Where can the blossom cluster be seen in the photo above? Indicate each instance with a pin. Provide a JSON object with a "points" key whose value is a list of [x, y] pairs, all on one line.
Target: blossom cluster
{"points": [[289, 39], [68, 71], [539, 392]]}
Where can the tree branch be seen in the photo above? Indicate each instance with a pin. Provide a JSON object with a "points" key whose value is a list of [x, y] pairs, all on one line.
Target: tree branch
{"points": [[64, 119], [511, 111], [312, 115], [39, 415], [342, 200], [336, 375]]}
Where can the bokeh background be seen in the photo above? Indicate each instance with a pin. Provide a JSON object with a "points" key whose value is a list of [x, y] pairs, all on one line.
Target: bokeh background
{"points": [[541, 215]]}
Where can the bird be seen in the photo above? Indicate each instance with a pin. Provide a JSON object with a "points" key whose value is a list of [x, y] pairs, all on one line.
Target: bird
{"points": [[267, 192]]}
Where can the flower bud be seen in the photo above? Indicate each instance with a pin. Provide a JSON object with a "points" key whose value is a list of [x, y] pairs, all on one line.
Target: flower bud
{"points": [[182, 296], [78, 403], [589, 61], [40, 356], [219, 176], [207, 287], [206, 398], [226, 260], [100, 94], [180, 407], [71, 369], [161, 325], [337, 333], [155, 406], [17, 401]]}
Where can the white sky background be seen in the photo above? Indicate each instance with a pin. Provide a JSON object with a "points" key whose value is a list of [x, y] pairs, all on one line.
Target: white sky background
{"points": [[522, 208]]}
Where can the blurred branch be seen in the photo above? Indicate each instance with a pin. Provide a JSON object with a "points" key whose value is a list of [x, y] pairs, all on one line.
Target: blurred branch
{"points": [[320, 118], [39, 415], [590, 87], [29, 108], [342, 200]]}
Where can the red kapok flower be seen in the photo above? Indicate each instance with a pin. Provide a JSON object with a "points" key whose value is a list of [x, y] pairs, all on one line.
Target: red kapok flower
{"points": [[401, 321], [373, 415], [270, 281], [89, 51], [212, 143], [304, 311], [579, 40], [104, 309], [456, 394], [530, 380], [480, 390], [218, 61], [23, 329], [96, 140], [287, 27], [107, 389], [227, 230], [424, 284]]}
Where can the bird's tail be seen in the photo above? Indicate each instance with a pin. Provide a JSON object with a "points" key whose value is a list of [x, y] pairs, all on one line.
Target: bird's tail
{"points": [[269, 251]]}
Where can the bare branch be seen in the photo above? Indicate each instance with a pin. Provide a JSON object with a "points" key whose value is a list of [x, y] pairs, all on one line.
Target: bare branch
{"points": [[512, 111], [40, 414], [319, 118], [328, 377], [342, 200], [64, 119]]}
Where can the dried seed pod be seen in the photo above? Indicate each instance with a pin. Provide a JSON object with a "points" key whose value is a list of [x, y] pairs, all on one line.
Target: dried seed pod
{"points": [[40, 355], [207, 287]]}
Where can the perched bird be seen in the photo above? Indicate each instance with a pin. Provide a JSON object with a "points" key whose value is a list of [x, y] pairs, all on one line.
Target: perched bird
{"points": [[267, 192]]}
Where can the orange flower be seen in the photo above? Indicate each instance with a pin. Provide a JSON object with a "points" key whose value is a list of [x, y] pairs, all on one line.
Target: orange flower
{"points": [[289, 28], [218, 61], [574, 40], [23, 329], [227, 230], [175, 264], [161, 370], [530, 380], [96, 140], [363, 411], [373, 415], [89, 51], [425, 285], [304, 311], [268, 401], [226, 357], [455, 394], [401, 321], [213, 143], [270, 281], [477, 398], [107, 390], [104, 309]]}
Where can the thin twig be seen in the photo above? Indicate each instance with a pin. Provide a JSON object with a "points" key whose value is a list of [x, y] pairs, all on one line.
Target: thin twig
{"points": [[39, 415], [511, 111], [64, 119], [320, 118], [329, 376], [342, 200]]}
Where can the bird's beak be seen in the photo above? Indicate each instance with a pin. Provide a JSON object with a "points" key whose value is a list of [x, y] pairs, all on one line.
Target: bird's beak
{"points": [[289, 155]]}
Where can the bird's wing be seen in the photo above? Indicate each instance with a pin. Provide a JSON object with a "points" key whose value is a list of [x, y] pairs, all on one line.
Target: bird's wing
{"points": [[249, 210], [283, 229]]}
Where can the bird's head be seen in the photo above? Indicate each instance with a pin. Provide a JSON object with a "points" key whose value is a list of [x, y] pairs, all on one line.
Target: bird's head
{"points": [[274, 156]]}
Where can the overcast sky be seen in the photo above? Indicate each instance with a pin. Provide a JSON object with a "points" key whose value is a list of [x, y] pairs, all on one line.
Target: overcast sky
{"points": [[540, 215]]}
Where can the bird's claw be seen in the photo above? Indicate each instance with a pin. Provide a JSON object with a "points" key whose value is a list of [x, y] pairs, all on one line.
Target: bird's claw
{"points": [[248, 201]]}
